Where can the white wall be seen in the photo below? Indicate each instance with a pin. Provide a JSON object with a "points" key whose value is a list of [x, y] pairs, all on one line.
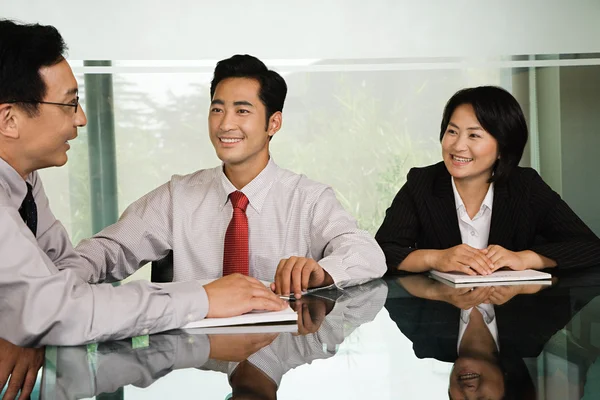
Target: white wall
{"points": [[186, 30]]}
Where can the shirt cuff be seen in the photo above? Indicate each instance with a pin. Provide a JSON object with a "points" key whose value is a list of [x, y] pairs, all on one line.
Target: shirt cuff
{"points": [[333, 266], [189, 300]]}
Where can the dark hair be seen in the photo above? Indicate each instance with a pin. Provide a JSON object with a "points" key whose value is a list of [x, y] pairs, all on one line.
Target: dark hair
{"points": [[24, 50], [500, 114], [273, 88]]}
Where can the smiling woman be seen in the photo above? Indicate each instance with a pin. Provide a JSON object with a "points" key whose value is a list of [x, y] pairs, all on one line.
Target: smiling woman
{"points": [[483, 134]]}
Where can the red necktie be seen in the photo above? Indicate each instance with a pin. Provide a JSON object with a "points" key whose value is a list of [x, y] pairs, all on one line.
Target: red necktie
{"points": [[235, 254]]}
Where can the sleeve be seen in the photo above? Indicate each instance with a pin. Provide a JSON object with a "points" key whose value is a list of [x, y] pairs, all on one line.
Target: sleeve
{"points": [[52, 237], [41, 305], [89, 373], [567, 239], [357, 306], [142, 234], [350, 255], [400, 229]]}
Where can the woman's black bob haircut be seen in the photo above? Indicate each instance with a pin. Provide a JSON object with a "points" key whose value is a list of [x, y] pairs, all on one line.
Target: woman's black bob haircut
{"points": [[501, 116]]}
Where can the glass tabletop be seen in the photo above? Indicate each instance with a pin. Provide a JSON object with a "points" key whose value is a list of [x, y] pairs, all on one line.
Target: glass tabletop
{"points": [[405, 336]]}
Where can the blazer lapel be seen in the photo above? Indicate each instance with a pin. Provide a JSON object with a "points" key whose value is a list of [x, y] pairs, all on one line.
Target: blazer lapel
{"points": [[442, 209], [504, 216]]}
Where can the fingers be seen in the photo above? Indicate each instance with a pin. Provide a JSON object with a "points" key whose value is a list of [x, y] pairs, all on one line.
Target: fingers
{"points": [[29, 383], [466, 269], [16, 382], [479, 255], [297, 273], [265, 303], [5, 370], [478, 265], [293, 275], [306, 273], [283, 275]]}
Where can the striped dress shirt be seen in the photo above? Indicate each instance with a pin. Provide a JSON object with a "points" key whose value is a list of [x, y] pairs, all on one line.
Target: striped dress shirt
{"points": [[44, 300], [288, 215]]}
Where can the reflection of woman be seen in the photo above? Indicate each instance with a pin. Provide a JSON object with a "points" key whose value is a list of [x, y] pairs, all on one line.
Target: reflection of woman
{"points": [[504, 215], [486, 343]]}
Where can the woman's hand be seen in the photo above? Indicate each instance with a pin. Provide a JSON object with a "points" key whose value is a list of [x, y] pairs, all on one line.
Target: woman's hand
{"points": [[463, 258], [502, 257]]}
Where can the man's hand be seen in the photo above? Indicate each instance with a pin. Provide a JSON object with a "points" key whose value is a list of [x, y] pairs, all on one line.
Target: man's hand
{"points": [[237, 348], [463, 258], [311, 313], [297, 274], [238, 294], [22, 365]]}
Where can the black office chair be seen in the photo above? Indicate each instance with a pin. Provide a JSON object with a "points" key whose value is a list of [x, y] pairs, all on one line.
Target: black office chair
{"points": [[162, 270]]}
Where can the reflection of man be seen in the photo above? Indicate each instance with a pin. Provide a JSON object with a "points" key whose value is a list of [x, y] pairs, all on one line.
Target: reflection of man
{"points": [[254, 363], [288, 229], [83, 373], [358, 305], [42, 300]]}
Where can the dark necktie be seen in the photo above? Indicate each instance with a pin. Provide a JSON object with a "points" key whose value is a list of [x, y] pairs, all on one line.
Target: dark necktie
{"points": [[28, 210], [235, 254]]}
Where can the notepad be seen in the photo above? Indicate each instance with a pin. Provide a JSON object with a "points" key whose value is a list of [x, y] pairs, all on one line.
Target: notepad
{"points": [[541, 282], [253, 317], [276, 327], [496, 277]]}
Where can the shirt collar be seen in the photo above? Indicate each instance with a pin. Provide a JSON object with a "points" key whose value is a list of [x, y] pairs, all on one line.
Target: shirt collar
{"points": [[487, 201], [256, 190], [13, 184]]}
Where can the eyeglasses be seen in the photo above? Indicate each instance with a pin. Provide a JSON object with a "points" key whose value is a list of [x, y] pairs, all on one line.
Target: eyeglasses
{"points": [[75, 104]]}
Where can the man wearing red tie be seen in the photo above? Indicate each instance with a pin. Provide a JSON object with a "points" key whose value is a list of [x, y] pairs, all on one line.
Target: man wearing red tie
{"points": [[43, 299], [248, 215]]}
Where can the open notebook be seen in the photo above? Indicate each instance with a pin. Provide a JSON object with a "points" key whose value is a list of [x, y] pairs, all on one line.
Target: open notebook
{"points": [[260, 321], [500, 276]]}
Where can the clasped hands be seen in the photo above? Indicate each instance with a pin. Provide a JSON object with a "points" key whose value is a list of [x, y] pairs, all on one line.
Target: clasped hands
{"points": [[238, 294], [466, 298], [472, 261]]}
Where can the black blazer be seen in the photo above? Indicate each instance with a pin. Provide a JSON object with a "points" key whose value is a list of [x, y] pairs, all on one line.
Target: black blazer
{"points": [[526, 215], [525, 323]]}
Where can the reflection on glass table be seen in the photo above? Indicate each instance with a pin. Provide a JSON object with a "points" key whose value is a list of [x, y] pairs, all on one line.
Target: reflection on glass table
{"points": [[498, 338], [254, 364], [513, 342]]}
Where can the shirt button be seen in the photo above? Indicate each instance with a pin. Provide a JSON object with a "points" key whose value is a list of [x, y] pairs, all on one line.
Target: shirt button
{"points": [[472, 233], [145, 332], [190, 317]]}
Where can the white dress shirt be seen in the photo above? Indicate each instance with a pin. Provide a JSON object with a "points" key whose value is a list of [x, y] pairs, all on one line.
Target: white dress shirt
{"points": [[44, 301], [475, 232], [288, 215]]}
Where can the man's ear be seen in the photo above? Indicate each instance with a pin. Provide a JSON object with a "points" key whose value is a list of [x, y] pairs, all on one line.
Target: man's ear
{"points": [[8, 121], [274, 123]]}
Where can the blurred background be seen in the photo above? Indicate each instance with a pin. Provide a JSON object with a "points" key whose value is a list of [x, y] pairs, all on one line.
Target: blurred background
{"points": [[367, 85]]}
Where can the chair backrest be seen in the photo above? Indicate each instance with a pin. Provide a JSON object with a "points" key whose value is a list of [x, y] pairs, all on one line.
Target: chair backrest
{"points": [[162, 270]]}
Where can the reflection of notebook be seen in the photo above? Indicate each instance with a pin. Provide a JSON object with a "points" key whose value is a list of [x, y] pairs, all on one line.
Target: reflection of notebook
{"points": [[498, 276]]}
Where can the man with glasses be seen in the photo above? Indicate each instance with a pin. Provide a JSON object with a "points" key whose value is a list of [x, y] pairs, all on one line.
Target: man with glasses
{"points": [[42, 298]]}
